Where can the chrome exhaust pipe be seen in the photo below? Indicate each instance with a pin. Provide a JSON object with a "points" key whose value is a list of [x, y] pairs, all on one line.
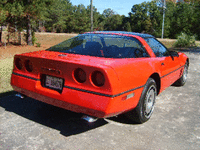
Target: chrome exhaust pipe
{"points": [[20, 95], [89, 118]]}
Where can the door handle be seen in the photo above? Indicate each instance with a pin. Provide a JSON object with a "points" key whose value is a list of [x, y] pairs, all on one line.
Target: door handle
{"points": [[162, 64]]}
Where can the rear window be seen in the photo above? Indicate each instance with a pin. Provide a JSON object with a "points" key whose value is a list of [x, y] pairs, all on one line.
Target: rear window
{"points": [[101, 45]]}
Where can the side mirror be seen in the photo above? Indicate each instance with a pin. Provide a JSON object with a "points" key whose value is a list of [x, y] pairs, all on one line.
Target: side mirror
{"points": [[173, 53]]}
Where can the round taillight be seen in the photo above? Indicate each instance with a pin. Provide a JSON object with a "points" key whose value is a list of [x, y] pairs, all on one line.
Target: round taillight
{"points": [[80, 75], [98, 78], [18, 63], [28, 66]]}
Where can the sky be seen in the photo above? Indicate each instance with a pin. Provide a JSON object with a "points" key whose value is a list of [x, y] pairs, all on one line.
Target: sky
{"points": [[122, 7]]}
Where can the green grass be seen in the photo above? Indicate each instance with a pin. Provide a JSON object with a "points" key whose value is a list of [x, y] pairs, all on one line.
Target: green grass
{"points": [[170, 43], [6, 66]]}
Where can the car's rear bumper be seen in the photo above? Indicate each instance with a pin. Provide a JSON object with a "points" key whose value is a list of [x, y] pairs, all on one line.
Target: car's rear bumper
{"points": [[79, 101]]}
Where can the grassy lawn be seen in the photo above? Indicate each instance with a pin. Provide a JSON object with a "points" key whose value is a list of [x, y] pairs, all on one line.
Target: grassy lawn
{"points": [[6, 66], [169, 43]]}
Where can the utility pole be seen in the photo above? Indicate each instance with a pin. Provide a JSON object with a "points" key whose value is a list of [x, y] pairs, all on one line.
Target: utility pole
{"points": [[164, 7], [91, 5]]}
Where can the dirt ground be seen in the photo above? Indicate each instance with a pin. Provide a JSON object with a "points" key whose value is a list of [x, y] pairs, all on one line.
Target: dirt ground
{"points": [[45, 39]]}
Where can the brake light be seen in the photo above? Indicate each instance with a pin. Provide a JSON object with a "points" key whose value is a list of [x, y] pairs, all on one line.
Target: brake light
{"points": [[80, 75], [28, 66], [98, 78], [18, 63]]}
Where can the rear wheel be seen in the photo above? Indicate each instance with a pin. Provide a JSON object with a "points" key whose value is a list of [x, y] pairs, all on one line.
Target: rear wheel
{"points": [[182, 80], [145, 107]]}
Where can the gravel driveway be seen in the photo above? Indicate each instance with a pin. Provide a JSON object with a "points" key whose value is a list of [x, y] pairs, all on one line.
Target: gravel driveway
{"points": [[27, 124]]}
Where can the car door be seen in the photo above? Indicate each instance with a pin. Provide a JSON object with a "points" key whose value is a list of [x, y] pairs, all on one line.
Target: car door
{"points": [[169, 66]]}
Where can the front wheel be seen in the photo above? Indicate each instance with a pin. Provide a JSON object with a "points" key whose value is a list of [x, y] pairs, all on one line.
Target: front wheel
{"points": [[145, 107]]}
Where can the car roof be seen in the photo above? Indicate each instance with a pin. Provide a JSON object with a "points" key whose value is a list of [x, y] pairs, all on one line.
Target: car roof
{"points": [[122, 32]]}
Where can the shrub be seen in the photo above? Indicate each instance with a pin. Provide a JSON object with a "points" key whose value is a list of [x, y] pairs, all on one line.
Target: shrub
{"points": [[38, 44], [185, 40], [34, 39]]}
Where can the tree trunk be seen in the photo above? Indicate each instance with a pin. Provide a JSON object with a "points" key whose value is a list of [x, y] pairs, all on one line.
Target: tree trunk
{"points": [[8, 36], [29, 34], [19, 38], [1, 33]]}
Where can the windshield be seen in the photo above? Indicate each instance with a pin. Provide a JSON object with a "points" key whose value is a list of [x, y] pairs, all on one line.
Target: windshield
{"points": [[101, 45]]}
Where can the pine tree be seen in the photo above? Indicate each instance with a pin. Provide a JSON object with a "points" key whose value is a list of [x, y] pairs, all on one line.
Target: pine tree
{"points": [[3, 16], [58, 17], [34, 10]]}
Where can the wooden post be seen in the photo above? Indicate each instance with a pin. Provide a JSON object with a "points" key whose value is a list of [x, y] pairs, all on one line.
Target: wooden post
{"points": [[91, 5]]}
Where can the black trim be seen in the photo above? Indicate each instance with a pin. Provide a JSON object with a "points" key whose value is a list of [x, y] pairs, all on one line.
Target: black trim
{"points": [[172, 71], [101, 94], [87, 91], [26, 76]]}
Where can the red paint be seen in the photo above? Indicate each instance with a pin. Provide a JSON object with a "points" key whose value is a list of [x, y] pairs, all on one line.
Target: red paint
{"points": [[121, 75]]}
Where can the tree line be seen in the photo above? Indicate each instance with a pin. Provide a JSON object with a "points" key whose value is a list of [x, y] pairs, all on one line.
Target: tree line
{"points": [[61, 16]]}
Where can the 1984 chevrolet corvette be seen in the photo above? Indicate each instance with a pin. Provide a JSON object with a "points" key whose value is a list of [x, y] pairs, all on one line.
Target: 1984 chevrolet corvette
{"points": [[101, 74]]}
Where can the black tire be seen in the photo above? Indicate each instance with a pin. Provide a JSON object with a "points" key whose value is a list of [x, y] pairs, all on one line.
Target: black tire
{"points": [[145, 107], [182, 80]]}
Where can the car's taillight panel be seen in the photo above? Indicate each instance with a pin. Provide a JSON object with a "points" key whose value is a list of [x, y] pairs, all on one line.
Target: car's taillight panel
{"points": [[89, 76], [28, 65], [79, 75], [97, 78], [18, 63]]}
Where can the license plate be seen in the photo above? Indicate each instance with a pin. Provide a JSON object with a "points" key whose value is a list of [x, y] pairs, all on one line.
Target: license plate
{"points": [[54, 82]]}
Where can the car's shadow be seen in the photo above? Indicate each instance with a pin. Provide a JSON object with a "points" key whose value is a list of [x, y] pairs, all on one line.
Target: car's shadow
{"points": [[67, 122]]}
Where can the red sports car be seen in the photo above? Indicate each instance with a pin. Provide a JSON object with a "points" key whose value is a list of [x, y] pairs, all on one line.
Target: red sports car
{"points": [[101, 74]]}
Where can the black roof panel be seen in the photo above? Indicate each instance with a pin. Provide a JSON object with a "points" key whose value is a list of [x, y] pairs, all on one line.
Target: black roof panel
{"points": [[124, 32]]}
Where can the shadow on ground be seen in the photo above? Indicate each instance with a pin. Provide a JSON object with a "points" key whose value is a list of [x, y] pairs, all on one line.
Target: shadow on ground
{"points": [[123, 119], [67, 122], [7, 93]]}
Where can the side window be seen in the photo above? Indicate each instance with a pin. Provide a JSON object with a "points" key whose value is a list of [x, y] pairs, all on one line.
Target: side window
{"points": [[136, 47], [124, 47], [158, 49]]}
